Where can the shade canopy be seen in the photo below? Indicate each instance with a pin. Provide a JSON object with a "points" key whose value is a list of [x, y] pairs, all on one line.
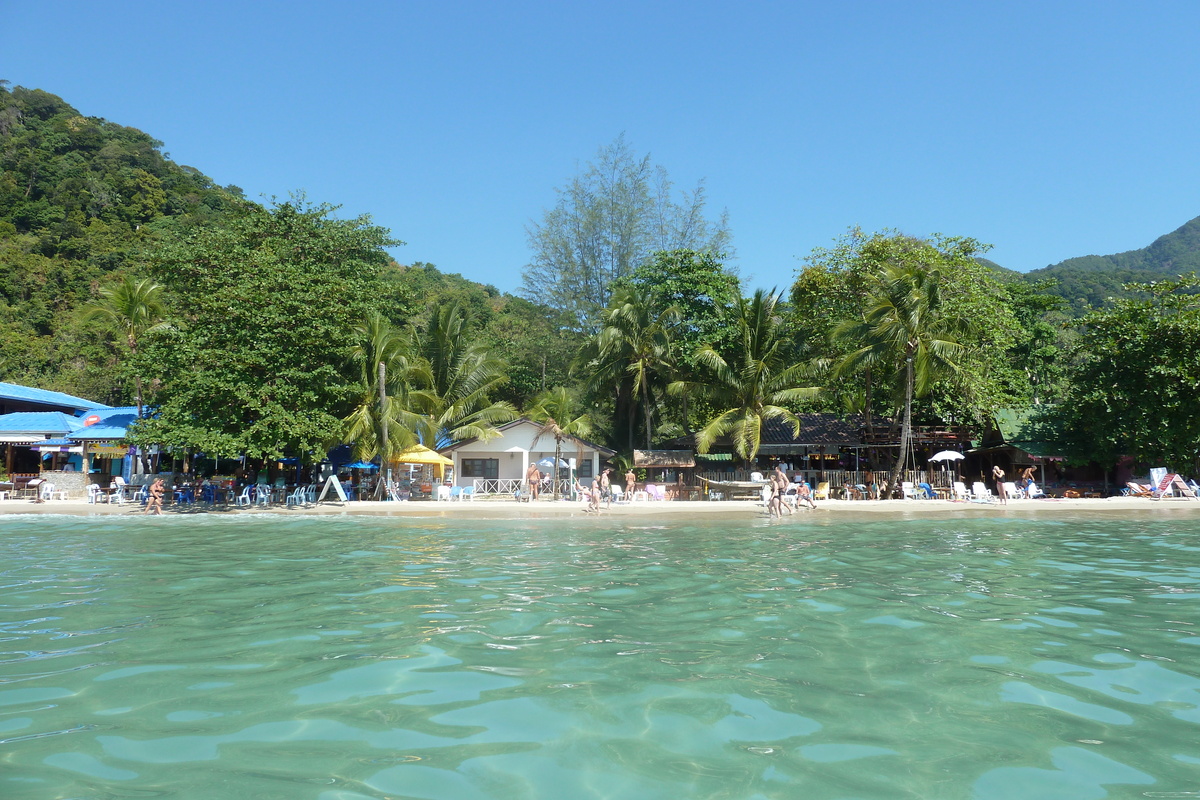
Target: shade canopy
{"points": [[947, 455], [422, 455], [547, 464], [362, 465]]}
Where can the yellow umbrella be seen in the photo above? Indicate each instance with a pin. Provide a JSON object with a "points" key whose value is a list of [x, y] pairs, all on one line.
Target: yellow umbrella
{"points": [[423, 455]]}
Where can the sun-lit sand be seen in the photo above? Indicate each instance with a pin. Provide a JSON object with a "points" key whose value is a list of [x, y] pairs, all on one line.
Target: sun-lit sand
{"points": [[677, 509]]}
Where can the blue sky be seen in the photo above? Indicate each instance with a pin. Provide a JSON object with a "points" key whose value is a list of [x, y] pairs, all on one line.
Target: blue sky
{"points": [[1049, 129]]}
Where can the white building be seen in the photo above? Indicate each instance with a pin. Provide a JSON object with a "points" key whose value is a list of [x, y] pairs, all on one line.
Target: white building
{"points": [[498, 466]]}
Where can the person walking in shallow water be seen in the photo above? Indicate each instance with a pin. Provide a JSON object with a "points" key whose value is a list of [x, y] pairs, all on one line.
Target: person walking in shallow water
{"points": [[998, 476]]}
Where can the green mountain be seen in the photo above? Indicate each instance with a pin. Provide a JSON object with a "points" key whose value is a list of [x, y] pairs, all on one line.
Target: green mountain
{"points": [[80, 198], [1088, 281]]}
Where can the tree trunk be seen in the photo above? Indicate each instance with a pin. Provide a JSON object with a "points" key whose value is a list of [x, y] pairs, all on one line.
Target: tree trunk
{"points": [[557, 460], [385, 450], [646, 407], [905, 427]]}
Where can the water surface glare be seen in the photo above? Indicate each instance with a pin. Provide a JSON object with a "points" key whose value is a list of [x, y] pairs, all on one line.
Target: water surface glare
{"points": [[347, 658]]}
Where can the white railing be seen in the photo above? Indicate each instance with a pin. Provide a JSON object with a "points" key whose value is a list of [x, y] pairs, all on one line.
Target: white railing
{"points": [[486, 486], [508, 486]]}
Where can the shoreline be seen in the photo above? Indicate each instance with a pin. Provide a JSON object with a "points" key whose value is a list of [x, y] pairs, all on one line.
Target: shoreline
{"points": [[831, 510]]}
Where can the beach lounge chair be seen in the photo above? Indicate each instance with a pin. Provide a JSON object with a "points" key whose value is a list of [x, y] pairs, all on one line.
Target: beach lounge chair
{"points": [[791, 496], [822, 492], [912, 491], [618, 495], [960, 491], [468, 493], [1012, 492], [455, 494], [980, 493], [1134, 489], [1032, 491]]}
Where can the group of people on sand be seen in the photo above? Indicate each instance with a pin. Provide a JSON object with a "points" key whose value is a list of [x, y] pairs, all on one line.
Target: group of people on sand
{"points": [[999, 477], [778, 483], [600, 488]]}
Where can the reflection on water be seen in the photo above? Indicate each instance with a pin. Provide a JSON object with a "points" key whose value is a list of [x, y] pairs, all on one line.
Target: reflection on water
{"points": [[356, 658]]}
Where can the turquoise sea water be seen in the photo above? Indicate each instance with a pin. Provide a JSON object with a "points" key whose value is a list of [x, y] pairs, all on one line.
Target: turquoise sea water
{"points": [[339, 658]]}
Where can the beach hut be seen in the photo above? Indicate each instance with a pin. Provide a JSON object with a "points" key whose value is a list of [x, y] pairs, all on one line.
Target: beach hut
{"points": [[498, 466]]}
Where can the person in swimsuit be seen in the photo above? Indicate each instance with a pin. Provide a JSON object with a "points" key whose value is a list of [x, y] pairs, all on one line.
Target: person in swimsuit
{"points": [[533, 477], [998, 477], [154, 500]]}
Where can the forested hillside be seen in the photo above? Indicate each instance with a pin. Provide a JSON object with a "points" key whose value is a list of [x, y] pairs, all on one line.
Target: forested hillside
{"points": [[84, 201], [1089, 281], [79, 199]]}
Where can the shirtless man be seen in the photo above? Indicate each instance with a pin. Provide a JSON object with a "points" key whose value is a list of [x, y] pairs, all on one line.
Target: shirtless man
{"points": [[533, 478], [779, 485], [605, 491]]}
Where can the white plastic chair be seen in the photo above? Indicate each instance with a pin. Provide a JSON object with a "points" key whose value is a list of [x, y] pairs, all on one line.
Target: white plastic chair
{"points": [[142, 495], [118, 490], [1012, 492], [980, 492], [960, 491], [243, 499], [95, 495]]}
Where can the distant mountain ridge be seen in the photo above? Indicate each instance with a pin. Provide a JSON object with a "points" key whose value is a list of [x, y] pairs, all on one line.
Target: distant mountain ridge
{"points": [[1088, 281]]}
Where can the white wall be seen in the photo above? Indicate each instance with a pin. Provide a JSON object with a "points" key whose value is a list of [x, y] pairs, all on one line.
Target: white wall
{"points": [[515, 451]]}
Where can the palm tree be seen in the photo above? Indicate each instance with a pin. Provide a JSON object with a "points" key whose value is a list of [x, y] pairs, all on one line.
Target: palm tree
{"points": [[636, 339], [559, 415], [132, 308], [453, 400], [906, 330], [752, 386], [380, 424]]}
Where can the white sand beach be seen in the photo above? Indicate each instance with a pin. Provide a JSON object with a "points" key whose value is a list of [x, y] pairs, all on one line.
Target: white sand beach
{"points": [[509, 509]]}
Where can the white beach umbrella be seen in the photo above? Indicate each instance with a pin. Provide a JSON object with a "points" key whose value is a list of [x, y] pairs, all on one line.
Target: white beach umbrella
{"points": [[947, 455]]}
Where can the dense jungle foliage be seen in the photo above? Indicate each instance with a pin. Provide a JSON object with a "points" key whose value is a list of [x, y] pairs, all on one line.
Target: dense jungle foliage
{"points": [[125, 277]]}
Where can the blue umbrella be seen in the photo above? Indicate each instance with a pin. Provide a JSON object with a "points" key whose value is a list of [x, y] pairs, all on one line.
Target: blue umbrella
{"points": [[362, 465]]}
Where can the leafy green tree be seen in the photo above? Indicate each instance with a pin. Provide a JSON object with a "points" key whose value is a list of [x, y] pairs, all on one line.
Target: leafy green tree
{"points": [[559, 415], [906, 330], [265, 307], [455, 401], [1137, 390], [380, 424], [839, 283], [132, 308], [607, 222], [634, 350], [758, 382]]}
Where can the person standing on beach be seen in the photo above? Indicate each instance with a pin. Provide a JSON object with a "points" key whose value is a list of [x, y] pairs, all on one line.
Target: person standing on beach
{"points": [[605, 487], [1027, 477], [630, 482], [154, 497], [533, 477], [998, 476]]}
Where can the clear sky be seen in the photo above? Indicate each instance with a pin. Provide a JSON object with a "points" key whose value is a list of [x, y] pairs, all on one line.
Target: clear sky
{"points": [[1049, 129]]}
